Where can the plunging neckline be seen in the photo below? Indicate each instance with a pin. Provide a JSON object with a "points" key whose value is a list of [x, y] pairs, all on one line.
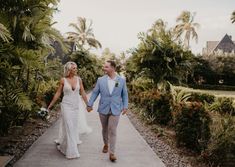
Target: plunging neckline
{"points": [[73, 89]]}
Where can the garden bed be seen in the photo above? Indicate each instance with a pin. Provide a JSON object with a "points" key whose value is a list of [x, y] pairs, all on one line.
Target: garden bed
{"points": [[19, 139], [162, 140]]}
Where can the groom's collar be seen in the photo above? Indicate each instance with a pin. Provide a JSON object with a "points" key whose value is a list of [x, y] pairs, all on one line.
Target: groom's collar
{"points": [[115, 78]]}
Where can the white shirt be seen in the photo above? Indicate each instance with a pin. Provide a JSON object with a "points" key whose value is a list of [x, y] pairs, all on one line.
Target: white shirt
{"points": [[111, 84]]}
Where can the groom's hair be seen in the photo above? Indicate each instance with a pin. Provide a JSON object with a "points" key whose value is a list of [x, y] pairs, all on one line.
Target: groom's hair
{"points": [[112, 63]]}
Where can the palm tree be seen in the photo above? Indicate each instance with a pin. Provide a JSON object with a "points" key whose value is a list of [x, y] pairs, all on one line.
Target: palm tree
{"points": [[160, 59], [186, 26], [83, 36], [233, 17], [158, 27]]}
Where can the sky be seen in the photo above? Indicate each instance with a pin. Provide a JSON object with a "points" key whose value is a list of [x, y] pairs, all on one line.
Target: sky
{"points": [[116, 23]]}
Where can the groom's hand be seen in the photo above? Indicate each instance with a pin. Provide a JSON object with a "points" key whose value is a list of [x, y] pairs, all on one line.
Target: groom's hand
{"points": [[124, 111], [89, 109]]}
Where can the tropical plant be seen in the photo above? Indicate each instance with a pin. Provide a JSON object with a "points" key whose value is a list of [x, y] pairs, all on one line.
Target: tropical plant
{"points": [[159, 57], [15, 104], [202, 73], [29, 24], [89, 67], [107, 54], [223, 105], [186, 26], [192, 126], [4, 33], [141, 84], [83, 37], [233, 17], [180, 96], [158, 27], [222, 65], [221, 146]]}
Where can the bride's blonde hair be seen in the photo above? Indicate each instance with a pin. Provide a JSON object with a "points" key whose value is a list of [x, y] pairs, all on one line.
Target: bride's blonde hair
{"points": [[67, 67]]}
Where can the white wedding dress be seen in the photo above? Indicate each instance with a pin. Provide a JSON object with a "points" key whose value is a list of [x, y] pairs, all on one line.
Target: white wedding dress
{"points": [[73, 121]]}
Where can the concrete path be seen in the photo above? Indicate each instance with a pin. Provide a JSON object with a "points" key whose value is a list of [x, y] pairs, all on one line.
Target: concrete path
{"points": [[131, 149]]}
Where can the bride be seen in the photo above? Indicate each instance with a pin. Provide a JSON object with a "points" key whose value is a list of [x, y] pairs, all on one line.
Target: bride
{"points": [[73, 121]]}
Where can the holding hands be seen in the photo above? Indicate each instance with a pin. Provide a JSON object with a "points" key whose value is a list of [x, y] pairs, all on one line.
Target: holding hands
{"points": [[89, 109]]}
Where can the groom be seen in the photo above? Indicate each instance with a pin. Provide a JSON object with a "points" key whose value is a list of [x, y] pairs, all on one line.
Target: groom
{"points": [[113, 101]]}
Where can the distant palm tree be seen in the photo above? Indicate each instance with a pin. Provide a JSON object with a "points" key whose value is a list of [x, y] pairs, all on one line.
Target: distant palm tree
{"points": [[186, 26], [83, 35], [158, 26], [233, 17]]}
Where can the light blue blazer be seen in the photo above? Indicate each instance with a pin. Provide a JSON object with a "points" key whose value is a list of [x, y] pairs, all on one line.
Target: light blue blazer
{"points": [[114, 102]]}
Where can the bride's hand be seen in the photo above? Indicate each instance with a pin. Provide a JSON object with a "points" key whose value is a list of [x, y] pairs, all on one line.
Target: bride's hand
{"points": [[49, 107], [89, 109]]}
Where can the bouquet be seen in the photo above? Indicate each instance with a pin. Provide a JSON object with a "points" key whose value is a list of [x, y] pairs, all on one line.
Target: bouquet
{"points": [[43, 113]]}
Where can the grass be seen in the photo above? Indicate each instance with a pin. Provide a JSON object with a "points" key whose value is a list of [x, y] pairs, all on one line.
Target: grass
{"points": [[217, 93]]}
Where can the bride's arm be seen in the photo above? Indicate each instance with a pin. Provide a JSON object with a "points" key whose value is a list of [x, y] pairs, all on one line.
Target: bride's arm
{"points": [[57, 94], [83, 93]]}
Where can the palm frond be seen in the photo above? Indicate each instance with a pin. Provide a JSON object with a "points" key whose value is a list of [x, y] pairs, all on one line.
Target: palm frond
{"points": [[20, 99], [93, 42], [233, 17], [5, 34]]}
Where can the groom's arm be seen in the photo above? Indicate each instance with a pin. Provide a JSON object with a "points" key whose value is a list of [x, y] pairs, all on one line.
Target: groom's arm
{"points": [[125, 96], [94, 95]]}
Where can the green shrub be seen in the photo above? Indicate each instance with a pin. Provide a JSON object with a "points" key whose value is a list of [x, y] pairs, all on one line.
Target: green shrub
{"points": [[162, 109], [192, 125], [221, 147], [223, 105], [180, 96], [157, 105], [15, 107], [46, 91], [89, 67], [142, 84], [202, 97], [195, 95]]}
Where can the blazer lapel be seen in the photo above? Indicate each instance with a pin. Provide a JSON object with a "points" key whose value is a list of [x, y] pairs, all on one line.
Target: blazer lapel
{"points": [[118, 81]]}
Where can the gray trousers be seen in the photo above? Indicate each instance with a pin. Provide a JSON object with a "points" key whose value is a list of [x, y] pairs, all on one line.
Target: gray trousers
{"points": [[109, 130]]}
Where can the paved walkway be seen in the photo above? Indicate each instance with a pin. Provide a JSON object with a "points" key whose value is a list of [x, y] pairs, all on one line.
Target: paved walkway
{"points": [[132, 150]]}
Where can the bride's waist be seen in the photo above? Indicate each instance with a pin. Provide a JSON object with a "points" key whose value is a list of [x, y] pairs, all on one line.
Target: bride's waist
{"points": [[70, 100], [70, 104]]}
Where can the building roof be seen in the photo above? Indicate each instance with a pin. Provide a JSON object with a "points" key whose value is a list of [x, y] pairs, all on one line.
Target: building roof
{"points": [[226, 45], [210, 45]]}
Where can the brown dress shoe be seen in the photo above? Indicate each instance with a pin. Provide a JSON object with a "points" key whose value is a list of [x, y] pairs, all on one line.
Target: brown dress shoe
{"points": [[105, 148], [112, 157]]}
